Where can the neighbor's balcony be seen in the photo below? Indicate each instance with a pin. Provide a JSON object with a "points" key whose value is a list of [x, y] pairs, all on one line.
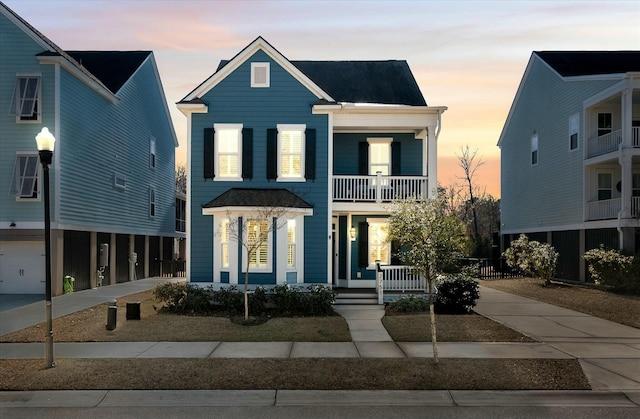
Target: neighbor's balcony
{"points": [[353, 188], [609, 208], [610, 142]]}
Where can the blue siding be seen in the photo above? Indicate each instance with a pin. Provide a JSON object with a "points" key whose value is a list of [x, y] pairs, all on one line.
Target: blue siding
{"points": [[100, 139], [345, 152], [18, 55], [286, 101]]}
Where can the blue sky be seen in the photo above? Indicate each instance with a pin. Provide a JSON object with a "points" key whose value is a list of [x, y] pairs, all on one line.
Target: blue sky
{"points": [[467, 55]]}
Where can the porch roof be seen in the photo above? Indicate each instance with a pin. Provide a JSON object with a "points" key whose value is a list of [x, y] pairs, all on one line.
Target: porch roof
{"points": [[254, 197], [586, 63]]}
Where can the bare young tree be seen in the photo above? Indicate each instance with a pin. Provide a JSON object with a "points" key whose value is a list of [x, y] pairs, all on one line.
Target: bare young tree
{"points": [[470, 162], [181, 179], [252, 231]]}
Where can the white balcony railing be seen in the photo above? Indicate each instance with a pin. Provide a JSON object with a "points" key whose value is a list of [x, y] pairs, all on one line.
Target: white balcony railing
{"points": [[635, 206], [604, 209], [402, 278], [604, 144], [378, 188], [635, 132]]}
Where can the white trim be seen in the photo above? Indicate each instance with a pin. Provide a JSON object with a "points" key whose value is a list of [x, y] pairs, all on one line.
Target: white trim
{"points": [[385, 141], [301, 128], [258, 44], [329, 188], [254, 68], [189, 200], [38, 103], [38, 182], [216, 165], [60, 143], [269, 243], [245, 210], [122, 185]]}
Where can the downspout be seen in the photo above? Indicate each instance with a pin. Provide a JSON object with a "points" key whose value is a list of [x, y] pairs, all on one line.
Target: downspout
{"points": [[439, 126], [620, 234]]}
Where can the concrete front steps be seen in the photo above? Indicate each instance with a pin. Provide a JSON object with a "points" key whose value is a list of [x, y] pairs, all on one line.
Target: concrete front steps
{"points": [[357, 298], [363, 315]]}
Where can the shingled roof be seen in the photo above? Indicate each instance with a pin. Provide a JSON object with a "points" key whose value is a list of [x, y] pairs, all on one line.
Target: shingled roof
{"points": [[253, 197], [586, 63], [386, 82], [113, 68]]}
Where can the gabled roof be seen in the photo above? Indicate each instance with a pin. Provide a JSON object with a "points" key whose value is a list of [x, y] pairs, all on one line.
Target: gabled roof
{"points": [[386, 82], [113, 68], [382, 82], [253, 197], [588, 63]]}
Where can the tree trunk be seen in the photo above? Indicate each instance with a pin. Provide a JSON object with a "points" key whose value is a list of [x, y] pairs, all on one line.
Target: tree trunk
{"points": [[432, 314], [246, 292]]}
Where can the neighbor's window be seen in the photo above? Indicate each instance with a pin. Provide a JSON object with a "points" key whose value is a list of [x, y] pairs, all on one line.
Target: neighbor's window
{"points": [[152, 202], [228, 151], [379, 156], [152, 152], [26, 97], [24, 183], [604, 186], [574, 128], [534, 149], [379, 247], [224, 242], [604, 123], [291, 140], [258, 239], [291, 243], [260, 75]]}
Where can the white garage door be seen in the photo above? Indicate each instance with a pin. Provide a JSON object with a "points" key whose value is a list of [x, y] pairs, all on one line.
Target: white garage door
{"points": [[22, 268]]}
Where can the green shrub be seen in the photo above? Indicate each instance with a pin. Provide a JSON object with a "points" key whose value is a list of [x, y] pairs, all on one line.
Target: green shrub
{"points": [[457, 294], [532, 258], [317, 300], [409, 304], [180, 298], [613, 269]]}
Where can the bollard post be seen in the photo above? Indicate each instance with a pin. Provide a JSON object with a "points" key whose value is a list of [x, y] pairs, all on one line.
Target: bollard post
{"points": [[112, 314]]}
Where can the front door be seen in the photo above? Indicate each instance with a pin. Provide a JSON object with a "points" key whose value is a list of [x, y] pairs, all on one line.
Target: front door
{"points": [[334, 250]]}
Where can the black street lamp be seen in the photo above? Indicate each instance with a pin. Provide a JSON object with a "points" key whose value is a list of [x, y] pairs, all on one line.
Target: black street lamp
{"points": [[45, 141]]}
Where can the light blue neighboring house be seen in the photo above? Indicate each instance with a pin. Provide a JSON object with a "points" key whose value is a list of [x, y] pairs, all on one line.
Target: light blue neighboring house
{"points": [[113, 169], [570, 155], [331, 141]]}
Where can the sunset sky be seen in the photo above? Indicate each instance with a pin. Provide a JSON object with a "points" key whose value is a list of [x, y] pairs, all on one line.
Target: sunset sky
{"points": [[466, 55]]}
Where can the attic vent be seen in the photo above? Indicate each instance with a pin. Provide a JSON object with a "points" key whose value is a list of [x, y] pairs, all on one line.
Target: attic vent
{"points": [[259, 74]]}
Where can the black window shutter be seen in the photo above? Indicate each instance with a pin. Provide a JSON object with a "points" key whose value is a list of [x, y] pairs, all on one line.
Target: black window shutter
{"points": [[363, 244], [208, 153], [310, 154], [395, 257], [247, 153], [396, 158], [272, 153], [363, 158]]}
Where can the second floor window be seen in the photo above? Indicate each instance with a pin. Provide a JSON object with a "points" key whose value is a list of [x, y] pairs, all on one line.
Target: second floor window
{"points": [[152, 152], [228, 151], [380, 156], [25, 176], [26, 97], [604, 123], [574, 128], [604, 186], [152, 202], [291, 140], [534, 149]]}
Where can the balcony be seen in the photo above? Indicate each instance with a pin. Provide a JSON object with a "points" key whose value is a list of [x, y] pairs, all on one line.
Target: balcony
{"points": [[378, 188], [610, 142], [608, 209]]}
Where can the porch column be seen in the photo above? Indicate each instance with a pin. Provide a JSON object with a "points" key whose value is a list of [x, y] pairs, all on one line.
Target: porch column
{"points": [[432, 162], [626, 180], [627, 117]]}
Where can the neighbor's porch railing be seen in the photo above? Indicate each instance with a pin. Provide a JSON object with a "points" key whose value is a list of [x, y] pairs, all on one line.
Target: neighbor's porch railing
{"points": [[398, 278], [610, 142], [378, 188], [609, 208]]}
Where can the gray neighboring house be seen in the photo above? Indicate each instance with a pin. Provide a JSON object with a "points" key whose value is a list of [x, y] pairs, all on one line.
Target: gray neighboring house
{"points": [[570, 155]]}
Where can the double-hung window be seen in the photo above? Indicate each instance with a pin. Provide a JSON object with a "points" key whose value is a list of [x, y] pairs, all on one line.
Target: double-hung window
{"points": [[291, 243], [379, 247], [25, 102], [291, 142], [258, 242], [224, 243], [604, 123], [574, 129], [260, 76], [604, 186], [534, 149], [152, 152], [152, 202], [228, 151], [24, 184]]}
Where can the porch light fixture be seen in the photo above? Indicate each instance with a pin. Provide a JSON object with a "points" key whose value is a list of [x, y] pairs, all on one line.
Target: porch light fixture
{"points": [[352, 233], [45, 142]]}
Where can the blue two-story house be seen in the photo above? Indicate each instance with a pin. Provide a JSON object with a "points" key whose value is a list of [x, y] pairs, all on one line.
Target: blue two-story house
{"points": [[331, 141], [113, 169]]}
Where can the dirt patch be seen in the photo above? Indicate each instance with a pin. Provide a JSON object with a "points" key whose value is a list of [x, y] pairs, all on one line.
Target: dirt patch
{"points": [[304, 374], [621, 309]]}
